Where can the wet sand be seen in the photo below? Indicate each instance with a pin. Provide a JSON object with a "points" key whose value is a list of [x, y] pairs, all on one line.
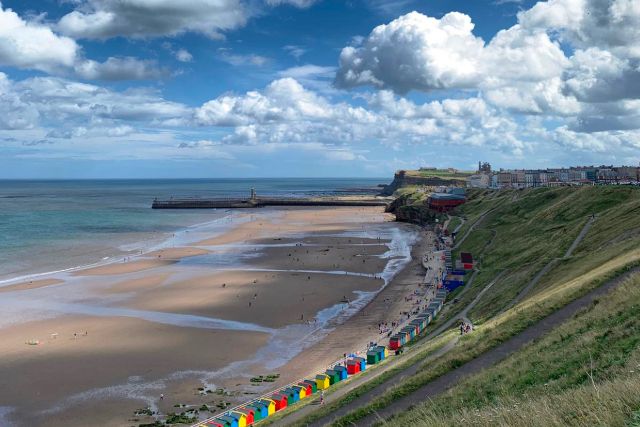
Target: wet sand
{"points": [[282, 283]]}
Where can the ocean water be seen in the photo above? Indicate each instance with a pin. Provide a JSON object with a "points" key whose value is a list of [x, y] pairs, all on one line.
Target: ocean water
{"points": [[55, 225]]}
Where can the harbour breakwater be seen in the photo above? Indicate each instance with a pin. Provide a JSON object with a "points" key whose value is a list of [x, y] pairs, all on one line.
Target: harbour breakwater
{"points": [[258, 202]]}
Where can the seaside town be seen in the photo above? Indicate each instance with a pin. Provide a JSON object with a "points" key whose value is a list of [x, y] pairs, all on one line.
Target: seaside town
{"points": [[485, 177]]}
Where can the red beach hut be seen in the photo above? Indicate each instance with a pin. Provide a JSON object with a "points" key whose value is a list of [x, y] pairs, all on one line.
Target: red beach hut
{"points": [[307, 387], [353, 367], [281, 401]]}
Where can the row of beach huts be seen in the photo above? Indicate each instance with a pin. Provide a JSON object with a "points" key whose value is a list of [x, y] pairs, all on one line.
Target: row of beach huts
{"points": [[266, 406]]}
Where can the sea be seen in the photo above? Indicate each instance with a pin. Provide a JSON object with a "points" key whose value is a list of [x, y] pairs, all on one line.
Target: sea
{"points": [[55, 225]]}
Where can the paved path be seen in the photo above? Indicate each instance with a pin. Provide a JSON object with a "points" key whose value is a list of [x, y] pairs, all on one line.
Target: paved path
{"points": [[495, 355], [524, 292], [473, 226]]}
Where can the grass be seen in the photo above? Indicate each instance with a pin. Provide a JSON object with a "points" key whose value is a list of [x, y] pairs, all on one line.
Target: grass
{"points": [[440, 173], [586, 371], [453, 223]]}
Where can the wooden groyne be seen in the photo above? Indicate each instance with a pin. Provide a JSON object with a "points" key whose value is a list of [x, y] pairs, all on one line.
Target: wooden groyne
{"points": [[259, 202]]}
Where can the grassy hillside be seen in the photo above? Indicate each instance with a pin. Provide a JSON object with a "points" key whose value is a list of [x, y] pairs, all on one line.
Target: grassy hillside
{"points": [[586, 372], [522, 232]]}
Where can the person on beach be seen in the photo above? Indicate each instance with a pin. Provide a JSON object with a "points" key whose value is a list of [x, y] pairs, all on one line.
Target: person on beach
{"points": [[322, 397]]}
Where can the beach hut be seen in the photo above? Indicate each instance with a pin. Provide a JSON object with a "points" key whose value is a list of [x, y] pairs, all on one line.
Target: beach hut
{"points": [[307, 388], [294, 395], [231, 422], [302, 390], [323, 381], [271, 406], [258, 413], [441, 293], [382, 350], [410, 332], [373, 357], [250, 413], [353, 366], [363, 362], [342, 371], [239, 417], [312, 384], [281, 399], [334, 376], [434, 307], [215, 423], [395, 342], [426, 315]]}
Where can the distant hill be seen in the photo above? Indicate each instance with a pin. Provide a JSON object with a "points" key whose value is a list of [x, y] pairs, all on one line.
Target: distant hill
{"points": [[426, 177]]}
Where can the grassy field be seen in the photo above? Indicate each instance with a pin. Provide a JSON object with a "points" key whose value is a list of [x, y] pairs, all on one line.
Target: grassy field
{"points": [[585, 372], [524, 231], [440, 173]]}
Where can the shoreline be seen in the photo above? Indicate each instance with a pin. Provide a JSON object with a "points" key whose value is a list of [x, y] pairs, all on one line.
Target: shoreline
{"points": [[321, 241]]}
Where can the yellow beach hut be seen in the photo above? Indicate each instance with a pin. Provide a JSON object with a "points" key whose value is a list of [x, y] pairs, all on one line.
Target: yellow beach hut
{"points": [[302, 391], [271, 406], [323, 381], [242, 418]]}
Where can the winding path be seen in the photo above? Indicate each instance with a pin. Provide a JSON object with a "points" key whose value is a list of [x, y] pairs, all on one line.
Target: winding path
{"points": [[524, 292], [471, 228]]}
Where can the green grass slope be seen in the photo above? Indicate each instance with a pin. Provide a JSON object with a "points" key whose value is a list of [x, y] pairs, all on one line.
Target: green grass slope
{"points": [[522, 232]]}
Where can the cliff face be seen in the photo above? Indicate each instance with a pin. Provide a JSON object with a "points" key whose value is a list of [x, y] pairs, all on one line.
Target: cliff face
{"points": [[406, 210], [402, 179]]}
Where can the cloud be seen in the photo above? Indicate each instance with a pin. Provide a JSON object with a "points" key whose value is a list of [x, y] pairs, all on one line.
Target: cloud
{"points": [[227, 56], [183, 55], [64, 104], [101, 19], [31, 44], [415, 52], [295, 51], [287, 112], [125, 68]]}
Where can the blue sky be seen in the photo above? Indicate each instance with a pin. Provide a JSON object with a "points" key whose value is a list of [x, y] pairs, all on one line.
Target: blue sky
{"points": [[251, 88]]}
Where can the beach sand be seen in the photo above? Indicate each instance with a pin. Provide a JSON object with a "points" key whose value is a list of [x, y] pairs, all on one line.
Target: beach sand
{"points": [[32, 284], [125, 351]]}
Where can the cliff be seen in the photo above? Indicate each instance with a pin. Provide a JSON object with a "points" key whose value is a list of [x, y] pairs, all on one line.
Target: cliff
{"points": [[425, 178]]}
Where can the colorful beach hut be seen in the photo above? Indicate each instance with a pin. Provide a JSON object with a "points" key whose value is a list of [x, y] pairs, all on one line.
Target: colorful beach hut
{"points": [[373, 357], [239, 417], [257, 412], [302, 390], [363, 362], [307, 388], [382, 350], [353, 367], [215, 423], [395, 342], [312, 384], [229, 421], [270, 404], [342, 371], [323, 381], [334, 376], [250, 414], [294, 395], [281, 399]]}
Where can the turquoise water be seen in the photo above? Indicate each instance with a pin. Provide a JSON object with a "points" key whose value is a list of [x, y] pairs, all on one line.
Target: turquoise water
{"points": [[54, 225]]}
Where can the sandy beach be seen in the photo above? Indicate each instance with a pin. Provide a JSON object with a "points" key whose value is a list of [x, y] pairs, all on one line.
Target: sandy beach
{"points": [[272, 293]]}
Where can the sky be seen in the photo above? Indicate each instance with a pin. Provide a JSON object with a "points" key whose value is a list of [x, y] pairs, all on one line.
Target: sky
{"points": [[314, 88]]}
